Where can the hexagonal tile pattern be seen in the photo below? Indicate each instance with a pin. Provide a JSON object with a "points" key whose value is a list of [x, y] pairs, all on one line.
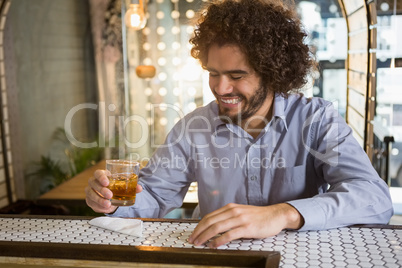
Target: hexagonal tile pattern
{"points": [[342, 247]]}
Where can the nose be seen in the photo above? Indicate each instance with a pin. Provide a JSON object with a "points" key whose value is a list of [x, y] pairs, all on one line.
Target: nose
{"points": [[221, 85]]}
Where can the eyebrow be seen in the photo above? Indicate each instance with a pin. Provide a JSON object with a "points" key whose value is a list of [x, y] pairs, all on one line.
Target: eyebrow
{"points": [[228, 72]]}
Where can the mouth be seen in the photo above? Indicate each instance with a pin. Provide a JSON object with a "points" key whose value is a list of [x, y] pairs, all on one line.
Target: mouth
{"points": [[232, 100]]}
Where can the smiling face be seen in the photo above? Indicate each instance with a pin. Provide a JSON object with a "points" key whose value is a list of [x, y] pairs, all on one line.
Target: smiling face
{"points": [[236, 85]]}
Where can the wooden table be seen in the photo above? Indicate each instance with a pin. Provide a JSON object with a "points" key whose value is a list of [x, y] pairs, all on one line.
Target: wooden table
{"points": [[67, 240], [72, 192]]}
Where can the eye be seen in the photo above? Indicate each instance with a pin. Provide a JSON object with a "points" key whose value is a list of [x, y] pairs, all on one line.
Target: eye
{"points": [[235, 77], [213, 74]]}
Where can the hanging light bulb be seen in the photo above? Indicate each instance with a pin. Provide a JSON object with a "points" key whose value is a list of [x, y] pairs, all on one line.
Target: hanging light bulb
{"points": [[135, 16]]}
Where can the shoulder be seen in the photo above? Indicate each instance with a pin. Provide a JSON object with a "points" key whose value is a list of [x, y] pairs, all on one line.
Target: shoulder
{"points": [[297, 105], [302, 112], [302, 102]]}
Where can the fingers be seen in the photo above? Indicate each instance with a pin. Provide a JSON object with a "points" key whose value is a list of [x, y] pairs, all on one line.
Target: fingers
{"points": [[99, 183], [229, 229], [96, 202], [235, 221], [101, 177], [97, 195], [206, 221], [225, 238], [219, 221]]}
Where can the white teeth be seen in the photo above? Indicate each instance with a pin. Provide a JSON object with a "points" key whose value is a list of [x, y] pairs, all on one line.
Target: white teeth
{"points": [[231, 101]]}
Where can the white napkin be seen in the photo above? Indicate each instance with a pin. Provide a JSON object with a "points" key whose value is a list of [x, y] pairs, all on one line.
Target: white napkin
{"points": [[125, 226]]}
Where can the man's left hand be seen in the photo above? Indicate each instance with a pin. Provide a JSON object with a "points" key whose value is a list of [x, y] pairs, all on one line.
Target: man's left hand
{"points": [[236, 221]]}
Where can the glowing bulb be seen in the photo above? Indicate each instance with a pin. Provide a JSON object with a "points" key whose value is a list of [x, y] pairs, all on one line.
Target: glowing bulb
{"points": [[135, 18]]}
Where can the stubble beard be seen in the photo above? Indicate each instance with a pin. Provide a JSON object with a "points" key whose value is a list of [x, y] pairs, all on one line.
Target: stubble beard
{"points": [[251, 107]]}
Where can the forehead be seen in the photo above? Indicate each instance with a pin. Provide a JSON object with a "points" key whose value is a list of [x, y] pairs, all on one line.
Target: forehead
{"points": [[227, 57]]}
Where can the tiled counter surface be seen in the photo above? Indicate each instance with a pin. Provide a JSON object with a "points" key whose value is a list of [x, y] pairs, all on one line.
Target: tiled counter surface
{"points": [[342, 247]]}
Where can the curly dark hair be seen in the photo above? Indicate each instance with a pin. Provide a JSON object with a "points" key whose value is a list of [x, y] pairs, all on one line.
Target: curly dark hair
{"points": [[268, 32]]}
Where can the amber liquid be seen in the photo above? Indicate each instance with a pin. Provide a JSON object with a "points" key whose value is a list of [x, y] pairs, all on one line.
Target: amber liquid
{"points": [[123, 187]]}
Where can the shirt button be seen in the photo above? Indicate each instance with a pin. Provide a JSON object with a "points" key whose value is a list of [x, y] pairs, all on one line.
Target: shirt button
{"points": [[253, 178]]}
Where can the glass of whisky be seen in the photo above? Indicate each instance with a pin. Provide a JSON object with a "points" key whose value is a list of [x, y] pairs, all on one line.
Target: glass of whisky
{"points": [[123, 178]]}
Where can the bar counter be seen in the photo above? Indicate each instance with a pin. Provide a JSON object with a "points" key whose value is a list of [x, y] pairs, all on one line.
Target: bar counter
{"points": [[68, 240]]}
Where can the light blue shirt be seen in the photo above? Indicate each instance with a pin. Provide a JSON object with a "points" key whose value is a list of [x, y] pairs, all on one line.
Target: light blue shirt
{"points": [[305, 156]]}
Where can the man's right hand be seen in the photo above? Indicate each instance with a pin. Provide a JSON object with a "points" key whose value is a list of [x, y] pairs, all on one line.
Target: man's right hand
{"points": [[98, 195]]}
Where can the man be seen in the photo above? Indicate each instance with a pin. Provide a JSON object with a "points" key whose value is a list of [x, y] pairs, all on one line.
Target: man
{"points": [[265, 157]]}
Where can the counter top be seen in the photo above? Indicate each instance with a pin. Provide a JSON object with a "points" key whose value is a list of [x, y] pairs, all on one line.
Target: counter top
{"points": [[357, 246]]}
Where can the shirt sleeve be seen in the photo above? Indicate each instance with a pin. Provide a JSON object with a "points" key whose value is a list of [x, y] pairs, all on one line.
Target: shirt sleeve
{"points": [[356, 194], [165, 179]]}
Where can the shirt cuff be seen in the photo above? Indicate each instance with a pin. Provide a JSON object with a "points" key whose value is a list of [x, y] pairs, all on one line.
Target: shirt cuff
{"points": [[312, 213]]}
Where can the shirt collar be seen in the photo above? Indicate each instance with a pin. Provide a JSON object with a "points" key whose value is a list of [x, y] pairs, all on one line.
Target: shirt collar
{"points": [[279, 109], [216, 121]]}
